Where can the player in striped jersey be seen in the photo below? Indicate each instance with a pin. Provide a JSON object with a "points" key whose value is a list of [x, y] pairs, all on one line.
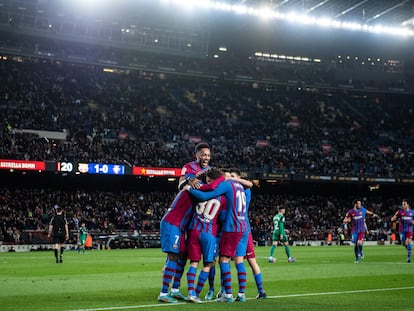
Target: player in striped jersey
{"points": [[202, 237], [250, 254], [192, 170], [172, 229], [233, 241], [357, 217], [405, 227]]}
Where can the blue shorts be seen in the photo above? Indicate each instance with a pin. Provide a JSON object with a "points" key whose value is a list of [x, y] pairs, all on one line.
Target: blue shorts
{"points": [[233, 244], [171, 237], [202, 243], [242, 246], [357, 236]]}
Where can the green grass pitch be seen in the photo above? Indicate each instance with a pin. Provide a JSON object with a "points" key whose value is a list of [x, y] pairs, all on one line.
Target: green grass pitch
{"points": [[323, 278]]}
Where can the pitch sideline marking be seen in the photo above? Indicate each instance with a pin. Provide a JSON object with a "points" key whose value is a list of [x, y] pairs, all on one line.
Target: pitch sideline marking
{"points": [[268, 297]]}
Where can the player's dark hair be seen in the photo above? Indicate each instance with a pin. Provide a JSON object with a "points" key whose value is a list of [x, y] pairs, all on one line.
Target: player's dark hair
{"points": [[235, 170], [224, 170], [200, 146], [405, 200], [214, 173]]}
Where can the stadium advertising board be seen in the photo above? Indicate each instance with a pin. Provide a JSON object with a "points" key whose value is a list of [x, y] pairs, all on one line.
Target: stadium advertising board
{"points": [[6, 164], [156, 171]]}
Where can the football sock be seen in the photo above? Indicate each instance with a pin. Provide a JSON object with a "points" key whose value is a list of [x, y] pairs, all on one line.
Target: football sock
{"points": [[191, 276], [167, 275], [226, 277], [202, 278], [241, 275], [259, 282], [211, 277], [179, 270], [272, 250], [287, 251]]}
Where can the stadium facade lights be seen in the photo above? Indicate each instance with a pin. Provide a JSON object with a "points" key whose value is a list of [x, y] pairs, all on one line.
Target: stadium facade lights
{"points": [[292, 17]]}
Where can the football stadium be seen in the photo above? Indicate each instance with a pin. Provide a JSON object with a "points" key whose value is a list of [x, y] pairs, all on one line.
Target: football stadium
{"points": [[182, 154]]}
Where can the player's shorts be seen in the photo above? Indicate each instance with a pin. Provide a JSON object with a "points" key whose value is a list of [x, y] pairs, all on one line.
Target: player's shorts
{"points": [[233, 244], [172, 239], [82, 241], [406, 235], [201, 243], [276, 236], [59, 237], [357, 236], [250, 247]]}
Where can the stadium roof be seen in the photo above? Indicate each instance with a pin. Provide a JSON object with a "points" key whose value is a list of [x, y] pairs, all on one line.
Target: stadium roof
{"points": [[371, 12]]}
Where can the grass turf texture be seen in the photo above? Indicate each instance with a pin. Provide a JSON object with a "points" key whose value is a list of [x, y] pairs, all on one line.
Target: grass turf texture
{"points": [[323, 278]]}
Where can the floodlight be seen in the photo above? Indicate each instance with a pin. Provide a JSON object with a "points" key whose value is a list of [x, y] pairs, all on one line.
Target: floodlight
{"points": [[239, 9]]}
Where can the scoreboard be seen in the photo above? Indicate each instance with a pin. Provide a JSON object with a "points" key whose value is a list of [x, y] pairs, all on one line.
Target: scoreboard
{"points": [[91, 168]]}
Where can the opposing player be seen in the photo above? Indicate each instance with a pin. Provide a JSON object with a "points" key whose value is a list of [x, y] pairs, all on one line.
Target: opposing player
{"points": [[233, 241], [405, 226], [82, 234], [279, 235], [59, 232]]}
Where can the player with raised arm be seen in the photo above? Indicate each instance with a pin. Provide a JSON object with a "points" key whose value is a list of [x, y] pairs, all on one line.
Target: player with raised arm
{"points": [[405, 226], [357, 215]]}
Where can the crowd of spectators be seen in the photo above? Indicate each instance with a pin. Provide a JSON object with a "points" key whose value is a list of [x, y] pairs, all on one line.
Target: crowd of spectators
{"points": [[153, 119], [308, 217], [148, 119]]}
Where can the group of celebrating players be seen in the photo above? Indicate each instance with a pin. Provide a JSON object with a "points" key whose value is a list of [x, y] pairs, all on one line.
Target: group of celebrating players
{"points": [[208, 217]]}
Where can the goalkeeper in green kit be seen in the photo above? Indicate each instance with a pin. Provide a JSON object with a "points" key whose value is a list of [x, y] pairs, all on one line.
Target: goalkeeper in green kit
{"points": [[82, 235], [279, 235]]}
